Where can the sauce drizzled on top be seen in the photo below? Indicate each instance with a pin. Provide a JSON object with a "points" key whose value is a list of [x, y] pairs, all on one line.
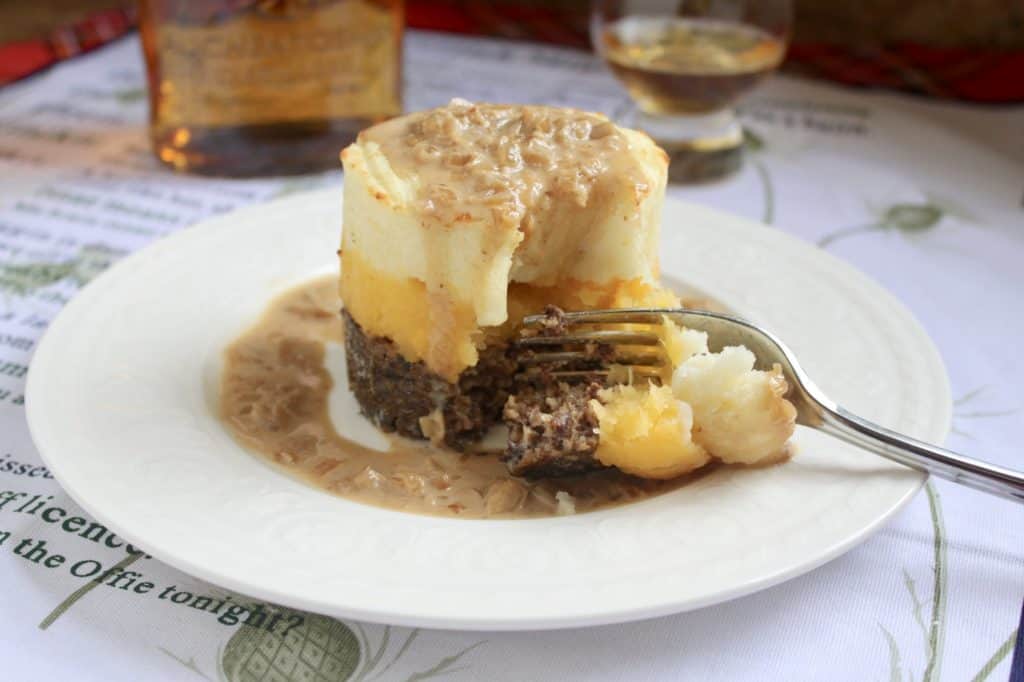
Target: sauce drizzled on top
{"points": [[512, 162], [274, 398]]}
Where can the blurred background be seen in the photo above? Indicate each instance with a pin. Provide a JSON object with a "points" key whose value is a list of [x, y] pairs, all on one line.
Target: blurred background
{"points": [[953, 49], [913, 175]]}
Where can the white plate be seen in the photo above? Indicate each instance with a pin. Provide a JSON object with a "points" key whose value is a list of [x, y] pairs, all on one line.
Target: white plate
{"points": [[121, 400]]}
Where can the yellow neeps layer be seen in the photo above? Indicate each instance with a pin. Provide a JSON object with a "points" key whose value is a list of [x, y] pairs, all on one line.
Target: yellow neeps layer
{"points": [[423, 326], [646, 432], [443, 332]]}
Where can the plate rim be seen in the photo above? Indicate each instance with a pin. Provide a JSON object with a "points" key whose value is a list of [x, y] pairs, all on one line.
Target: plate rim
{"points": [[46, 347]]}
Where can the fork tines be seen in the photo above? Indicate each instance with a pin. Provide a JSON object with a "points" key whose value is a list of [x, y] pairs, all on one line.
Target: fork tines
{"points": [[619, 316], [568, 356], [585, 353], [610, 337]]}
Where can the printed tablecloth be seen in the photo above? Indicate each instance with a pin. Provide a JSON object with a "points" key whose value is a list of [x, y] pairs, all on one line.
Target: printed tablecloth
{"points": [[927, 199]]}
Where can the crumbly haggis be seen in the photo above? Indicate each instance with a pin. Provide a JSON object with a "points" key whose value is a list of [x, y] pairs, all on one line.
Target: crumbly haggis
{"points": [[399, 396], [553, 430], [596, 356], [554, 322]]}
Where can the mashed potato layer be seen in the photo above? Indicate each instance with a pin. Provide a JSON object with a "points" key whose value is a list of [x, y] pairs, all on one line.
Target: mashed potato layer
{"points": [[457, 205], [740, 412]]}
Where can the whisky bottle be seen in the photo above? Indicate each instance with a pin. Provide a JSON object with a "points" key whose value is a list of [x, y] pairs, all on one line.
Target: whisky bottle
{"points": [[267, 87]]}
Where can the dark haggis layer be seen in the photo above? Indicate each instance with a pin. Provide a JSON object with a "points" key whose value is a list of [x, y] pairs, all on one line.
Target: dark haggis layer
{"points": [[394, 393], [552, 430]]}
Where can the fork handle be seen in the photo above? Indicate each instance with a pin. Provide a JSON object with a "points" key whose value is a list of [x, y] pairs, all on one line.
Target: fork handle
{"points": [[922, 456]]}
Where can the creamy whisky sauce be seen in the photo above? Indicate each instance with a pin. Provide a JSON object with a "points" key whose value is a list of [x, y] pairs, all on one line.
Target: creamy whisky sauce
{"points": [[275, 391], [513, 162]]}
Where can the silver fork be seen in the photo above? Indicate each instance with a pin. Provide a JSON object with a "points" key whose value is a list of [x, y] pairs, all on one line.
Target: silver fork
{"points": [[813, 407]]}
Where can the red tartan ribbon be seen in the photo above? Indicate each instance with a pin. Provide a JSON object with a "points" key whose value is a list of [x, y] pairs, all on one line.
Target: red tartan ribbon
{"points": [[949, 72], [506, 19], [23, 58], [978, 75]]}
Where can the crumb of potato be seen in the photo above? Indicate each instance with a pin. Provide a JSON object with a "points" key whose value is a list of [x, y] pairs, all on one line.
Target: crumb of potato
{"points": [[740, 413]]}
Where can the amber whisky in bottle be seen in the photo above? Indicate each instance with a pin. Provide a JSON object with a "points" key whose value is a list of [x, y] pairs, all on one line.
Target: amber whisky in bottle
{"points": [[267, 87]]}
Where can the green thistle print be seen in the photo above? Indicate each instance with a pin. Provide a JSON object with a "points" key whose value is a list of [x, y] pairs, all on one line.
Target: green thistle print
{"points": [[997, 657], [91, 260], [125, 96], [906, 219], [129, 95], [895, 664], [85, 589], [298, 185], [190, 663], [24, 279], [754, 146], [315, 648], [319, 649], [937, 630], [933, 633], [964, 409]]}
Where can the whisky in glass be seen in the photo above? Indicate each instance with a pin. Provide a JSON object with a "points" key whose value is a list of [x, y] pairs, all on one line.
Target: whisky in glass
{"points": [[685, 64]]}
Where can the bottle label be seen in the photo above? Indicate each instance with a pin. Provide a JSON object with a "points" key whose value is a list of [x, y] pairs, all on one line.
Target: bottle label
{"points": [[336, 60]]}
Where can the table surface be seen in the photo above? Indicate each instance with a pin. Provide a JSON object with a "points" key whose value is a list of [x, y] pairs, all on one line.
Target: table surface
{"points": [[928, 199]]}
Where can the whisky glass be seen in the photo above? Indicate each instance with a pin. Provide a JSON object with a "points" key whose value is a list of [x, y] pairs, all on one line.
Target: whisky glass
{"points": [[685, 63]]}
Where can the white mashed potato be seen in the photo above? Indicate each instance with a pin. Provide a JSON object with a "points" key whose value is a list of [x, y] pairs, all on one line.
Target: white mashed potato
{"points": [[739, 412]]}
